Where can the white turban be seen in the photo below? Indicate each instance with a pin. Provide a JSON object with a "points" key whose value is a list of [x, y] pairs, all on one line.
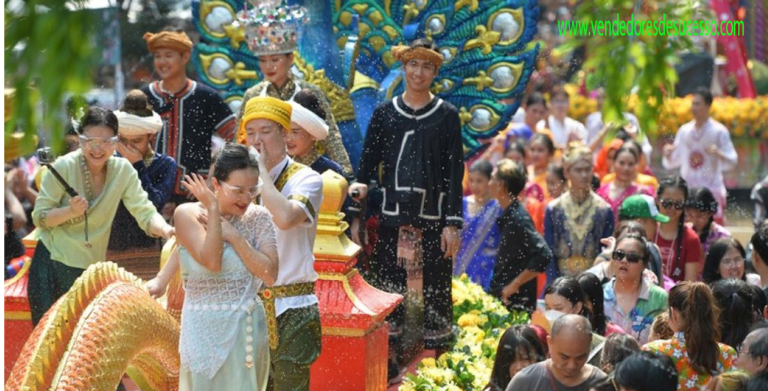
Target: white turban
{"points": [[309, 121], [133, 125]]}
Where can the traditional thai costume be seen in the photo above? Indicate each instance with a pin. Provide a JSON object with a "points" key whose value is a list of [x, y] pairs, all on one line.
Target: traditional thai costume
{"points": [[479, 243]]}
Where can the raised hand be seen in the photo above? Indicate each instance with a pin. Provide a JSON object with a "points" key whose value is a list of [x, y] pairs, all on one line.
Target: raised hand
{"points": [[197, 187]]}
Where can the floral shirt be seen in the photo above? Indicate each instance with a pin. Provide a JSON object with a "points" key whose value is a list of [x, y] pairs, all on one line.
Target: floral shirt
{"points": [[688, 379]]}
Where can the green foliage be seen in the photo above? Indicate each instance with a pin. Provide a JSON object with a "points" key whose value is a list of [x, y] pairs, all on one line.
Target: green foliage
{"points": [[48, 53], [640, 63]]}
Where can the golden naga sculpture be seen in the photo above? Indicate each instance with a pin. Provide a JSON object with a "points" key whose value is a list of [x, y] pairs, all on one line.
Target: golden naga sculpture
{"points": [[105, 326]]}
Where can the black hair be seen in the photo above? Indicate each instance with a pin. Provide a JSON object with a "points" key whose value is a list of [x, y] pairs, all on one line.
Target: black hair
{"points": [[233, 157], [759, 300], [98, 116], [515, 340], [702, 200], [556, 168], [545, 140], [593, 291], [705, 94], [734, 299], [647, 371], [535, 98], [570, 289], [311, 102], [423, 43], [759, 382], [136, 103], [675, 182], [699, 317], [483, 167], [627, 147], [517, 146], [617, 347], [628, 225], [711, 272], [512, 175], [759, 242]]}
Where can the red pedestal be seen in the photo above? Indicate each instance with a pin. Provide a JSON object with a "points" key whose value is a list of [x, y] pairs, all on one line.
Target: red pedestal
{"points": [[352, 363], [18, 323], [355, 342]]}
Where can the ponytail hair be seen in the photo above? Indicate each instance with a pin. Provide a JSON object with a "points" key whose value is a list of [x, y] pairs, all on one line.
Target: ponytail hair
{"points": [[675, 182], [734, 298], [699, 323], [703, 200]]}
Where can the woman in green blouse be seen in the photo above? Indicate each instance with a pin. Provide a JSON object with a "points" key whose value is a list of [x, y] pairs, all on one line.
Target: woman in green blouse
{"points": [[69, 241]]}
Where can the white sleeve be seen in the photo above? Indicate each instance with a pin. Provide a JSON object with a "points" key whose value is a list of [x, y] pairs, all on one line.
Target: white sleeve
{"points": [[308, 194], [725, 145]]}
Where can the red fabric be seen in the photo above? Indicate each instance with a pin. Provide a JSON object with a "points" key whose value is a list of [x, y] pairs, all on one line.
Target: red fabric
{"points": [[690, 252], [735, 51]]}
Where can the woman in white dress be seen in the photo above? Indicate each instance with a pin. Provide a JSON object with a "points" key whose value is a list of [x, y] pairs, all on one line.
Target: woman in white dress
{"points": [[227, 253]]}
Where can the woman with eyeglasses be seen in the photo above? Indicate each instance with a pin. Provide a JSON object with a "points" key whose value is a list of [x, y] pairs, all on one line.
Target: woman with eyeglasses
{"points": [[678, 243], [227, 253], [630, 301], [75, 230], [727, 259]]}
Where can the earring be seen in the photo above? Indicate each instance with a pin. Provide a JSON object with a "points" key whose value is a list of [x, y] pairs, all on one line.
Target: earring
{"points": [[216, 193]]}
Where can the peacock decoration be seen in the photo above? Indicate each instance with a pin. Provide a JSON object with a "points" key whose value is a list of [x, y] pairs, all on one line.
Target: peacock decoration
{"points": [[487, 47]]}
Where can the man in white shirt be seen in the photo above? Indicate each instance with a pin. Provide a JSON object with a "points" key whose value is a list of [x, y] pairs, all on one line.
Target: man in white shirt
{"points": [[564, 129], [293, 193], [702, 150]]}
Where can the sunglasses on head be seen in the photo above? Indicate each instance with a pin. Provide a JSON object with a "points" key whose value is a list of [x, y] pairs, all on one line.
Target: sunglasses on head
{"points": [[620, 255], [679, 205]]}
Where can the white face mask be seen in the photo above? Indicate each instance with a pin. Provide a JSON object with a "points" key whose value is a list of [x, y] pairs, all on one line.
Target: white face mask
{"points": [[553, 315]]}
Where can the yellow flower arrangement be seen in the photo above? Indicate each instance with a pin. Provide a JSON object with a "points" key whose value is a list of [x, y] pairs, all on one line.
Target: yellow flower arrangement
{"points": [[742, 117], [481, 320]]}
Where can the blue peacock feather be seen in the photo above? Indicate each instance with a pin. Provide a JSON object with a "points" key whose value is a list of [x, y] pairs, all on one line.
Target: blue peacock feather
{"points": [[487, 46]]}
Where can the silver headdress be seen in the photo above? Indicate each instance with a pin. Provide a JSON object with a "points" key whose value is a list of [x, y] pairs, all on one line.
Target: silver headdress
{"points": [[272, 27]]}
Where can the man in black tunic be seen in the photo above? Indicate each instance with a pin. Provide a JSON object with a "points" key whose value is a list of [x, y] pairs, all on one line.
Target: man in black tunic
{"points": [[416, 138], [192, 112]]}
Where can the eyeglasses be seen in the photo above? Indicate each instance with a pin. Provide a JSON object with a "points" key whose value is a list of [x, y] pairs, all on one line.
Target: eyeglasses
{"points": [[667, 203], [93, 142], [239, 192], [730, 262], [620, 255]]}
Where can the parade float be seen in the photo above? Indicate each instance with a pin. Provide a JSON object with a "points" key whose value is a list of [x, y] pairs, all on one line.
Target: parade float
{"points": [[108, 325]]}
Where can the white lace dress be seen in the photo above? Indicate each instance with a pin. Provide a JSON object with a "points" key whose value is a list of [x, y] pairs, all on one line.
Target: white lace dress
{"points": [[224, 341]]}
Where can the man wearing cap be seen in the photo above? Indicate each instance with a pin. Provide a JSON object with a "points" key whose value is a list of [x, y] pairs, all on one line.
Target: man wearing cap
{"points": [[192, 113], [416, 137], [274, 48], [138, 126], [292, 192]]}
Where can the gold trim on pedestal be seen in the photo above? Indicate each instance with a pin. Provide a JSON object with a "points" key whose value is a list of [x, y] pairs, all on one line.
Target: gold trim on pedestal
{"points": [[18, 315]]}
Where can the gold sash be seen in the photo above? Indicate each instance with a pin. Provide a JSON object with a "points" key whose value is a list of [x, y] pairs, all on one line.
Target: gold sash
{"points": [[268, 297]]}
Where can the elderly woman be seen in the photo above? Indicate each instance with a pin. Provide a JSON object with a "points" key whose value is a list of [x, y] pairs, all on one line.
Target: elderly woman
{"points": [[75, 230]]}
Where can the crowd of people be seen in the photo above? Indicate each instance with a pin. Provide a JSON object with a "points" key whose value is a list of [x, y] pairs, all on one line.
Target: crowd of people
{"points": [[638, 283]]}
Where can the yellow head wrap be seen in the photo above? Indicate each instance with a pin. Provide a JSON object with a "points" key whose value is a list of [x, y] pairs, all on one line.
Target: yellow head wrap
{"points": [[404, 54], [265, 107], [169, 40]]}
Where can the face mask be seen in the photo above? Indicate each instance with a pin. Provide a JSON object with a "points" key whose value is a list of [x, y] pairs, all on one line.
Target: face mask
{"points": [[553, 315]]}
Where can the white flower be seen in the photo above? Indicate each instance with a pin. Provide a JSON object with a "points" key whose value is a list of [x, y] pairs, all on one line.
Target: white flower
{"points": [[677, 353]]}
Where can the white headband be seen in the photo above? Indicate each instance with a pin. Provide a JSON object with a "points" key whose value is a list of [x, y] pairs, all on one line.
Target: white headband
{"points": [[309, 121], [133, 125]]}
